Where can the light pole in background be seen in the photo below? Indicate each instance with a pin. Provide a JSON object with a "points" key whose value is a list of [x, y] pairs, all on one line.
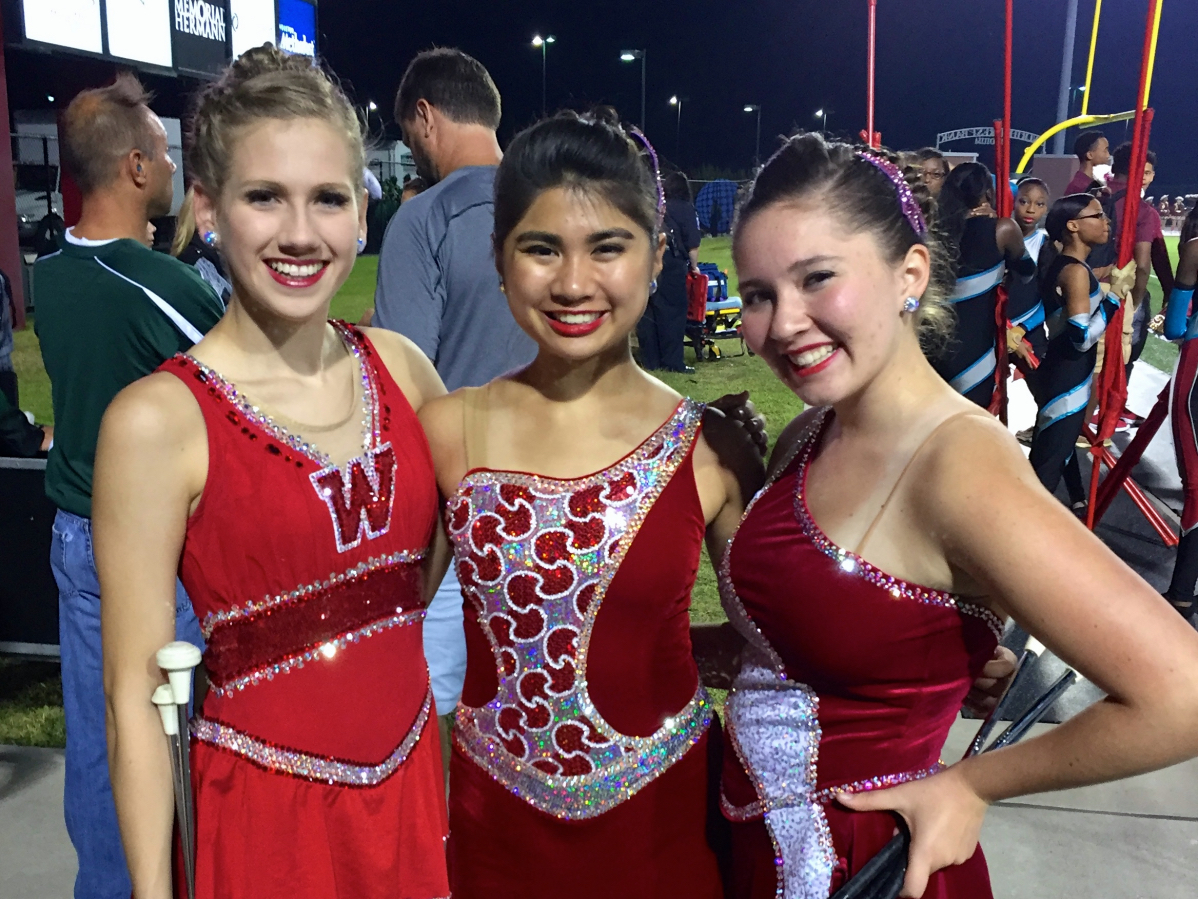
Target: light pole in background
{"points": [[822, 114], [632, 56], [542, 44], [677, 101], [753, 107]]}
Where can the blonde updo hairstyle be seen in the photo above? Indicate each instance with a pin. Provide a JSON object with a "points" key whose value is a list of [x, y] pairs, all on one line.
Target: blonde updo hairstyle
{"points": [[266, 83], [863, 198]]}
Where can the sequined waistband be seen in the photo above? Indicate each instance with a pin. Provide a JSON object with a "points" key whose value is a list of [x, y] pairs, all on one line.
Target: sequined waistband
{"points": [[577, 797], [322, 769], [244, 641], [826, 795]]}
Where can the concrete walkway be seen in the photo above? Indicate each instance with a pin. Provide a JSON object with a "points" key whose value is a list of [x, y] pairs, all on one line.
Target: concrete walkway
{"points": [[1137, 839]]}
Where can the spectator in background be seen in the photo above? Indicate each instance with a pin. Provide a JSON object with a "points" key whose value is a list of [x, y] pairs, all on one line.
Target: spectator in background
{"points": [[189, 247], [437, 281], [933, 168], [1092, 148], [662, 329], [109, 311], [413, 187], [20, 437], [1148, 231]]}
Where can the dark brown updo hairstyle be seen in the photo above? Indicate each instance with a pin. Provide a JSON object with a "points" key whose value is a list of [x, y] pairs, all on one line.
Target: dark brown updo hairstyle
{"points": [[265, 83], [590, 153], [809, 168]]}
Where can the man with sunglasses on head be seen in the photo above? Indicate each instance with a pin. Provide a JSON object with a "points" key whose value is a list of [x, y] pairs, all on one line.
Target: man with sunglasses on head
{"points": [[1148, 233]]}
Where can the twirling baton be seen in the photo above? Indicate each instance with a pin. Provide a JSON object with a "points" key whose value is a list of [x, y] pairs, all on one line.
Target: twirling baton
{"points": [[179, 660], [164, 699], [1026, 662]]}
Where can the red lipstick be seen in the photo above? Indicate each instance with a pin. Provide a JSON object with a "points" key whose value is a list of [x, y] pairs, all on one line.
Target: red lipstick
{"points": [[809, 370], [582, 329], [296, 281]]}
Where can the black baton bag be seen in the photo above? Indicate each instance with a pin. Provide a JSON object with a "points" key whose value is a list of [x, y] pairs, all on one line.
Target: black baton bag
{"points": [[882, 876]]}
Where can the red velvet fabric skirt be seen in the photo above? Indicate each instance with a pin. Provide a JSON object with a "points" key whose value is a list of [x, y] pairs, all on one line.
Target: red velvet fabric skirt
{"points": [[656, 844], [252, 825]]}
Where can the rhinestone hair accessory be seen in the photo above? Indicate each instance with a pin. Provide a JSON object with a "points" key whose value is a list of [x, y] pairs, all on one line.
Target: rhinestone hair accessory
{"points": [[661, 194], [910, 206]]}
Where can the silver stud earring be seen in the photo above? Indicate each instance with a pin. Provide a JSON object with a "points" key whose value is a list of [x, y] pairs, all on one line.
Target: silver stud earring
{"points": [[211, 238], [361, 244], [911, 305], [653, 287]]}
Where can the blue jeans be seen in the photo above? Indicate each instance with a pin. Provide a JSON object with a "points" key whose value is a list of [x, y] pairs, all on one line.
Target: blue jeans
{"points": [[445, 644], [87, 796]]}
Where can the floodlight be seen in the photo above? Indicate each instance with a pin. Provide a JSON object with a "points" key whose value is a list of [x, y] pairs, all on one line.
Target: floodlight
{"points": [[537, 41], [674, 100]]}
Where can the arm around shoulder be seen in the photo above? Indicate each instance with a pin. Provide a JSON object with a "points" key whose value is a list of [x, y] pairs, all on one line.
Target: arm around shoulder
{"points": [[792, 436]]}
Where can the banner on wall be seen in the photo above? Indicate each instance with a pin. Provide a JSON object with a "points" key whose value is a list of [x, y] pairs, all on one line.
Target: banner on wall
{"points": [[200, 35], [297, 27]]}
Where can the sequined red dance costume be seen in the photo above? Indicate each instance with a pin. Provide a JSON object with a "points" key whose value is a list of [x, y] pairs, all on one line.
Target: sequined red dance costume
{"points": [[851, 682], [580, 763], [316, 770]]}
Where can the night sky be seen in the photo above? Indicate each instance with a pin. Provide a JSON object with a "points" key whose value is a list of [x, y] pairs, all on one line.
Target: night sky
{"points": [[939, 65]]}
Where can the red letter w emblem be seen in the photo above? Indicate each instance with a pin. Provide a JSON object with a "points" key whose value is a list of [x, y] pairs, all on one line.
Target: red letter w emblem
{"points": [[359, 498]]}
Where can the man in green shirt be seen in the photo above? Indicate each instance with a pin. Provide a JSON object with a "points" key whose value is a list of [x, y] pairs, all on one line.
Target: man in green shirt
{"points": [[109, 311]]}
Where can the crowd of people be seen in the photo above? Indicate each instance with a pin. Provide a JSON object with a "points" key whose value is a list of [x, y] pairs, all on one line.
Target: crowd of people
{"points": [[464, 538]]}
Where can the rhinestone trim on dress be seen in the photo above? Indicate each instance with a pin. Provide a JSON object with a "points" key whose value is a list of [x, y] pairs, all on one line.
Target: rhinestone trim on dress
{"points": [[773, 726], [733, 607], [882, 782], [370, 402], [535, 557], [851, 563], [320, 769]]}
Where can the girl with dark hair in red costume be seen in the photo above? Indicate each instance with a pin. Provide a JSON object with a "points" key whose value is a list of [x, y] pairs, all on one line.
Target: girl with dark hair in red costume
{"points": [[580, 490], [872, 576]]}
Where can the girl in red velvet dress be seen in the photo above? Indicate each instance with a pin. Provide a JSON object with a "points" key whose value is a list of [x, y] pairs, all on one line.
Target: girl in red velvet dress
{"points": [[579, 490], [872, 576], [280, 468]]}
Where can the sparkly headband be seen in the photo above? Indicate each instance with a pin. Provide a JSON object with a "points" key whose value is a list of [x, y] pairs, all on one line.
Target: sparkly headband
{"points": [[661, 195], [910, 206]]}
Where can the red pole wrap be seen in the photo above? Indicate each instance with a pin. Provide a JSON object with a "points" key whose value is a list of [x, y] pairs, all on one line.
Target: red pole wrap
{"points": [[872, 64], [1112, 381], [1007, 203]]}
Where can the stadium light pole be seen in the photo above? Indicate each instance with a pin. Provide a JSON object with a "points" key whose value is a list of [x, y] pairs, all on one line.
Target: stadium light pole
{"points": [[822, 114], [754, 107], [542, 44], [1065, 94], [678, 101], [632, 56]]}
